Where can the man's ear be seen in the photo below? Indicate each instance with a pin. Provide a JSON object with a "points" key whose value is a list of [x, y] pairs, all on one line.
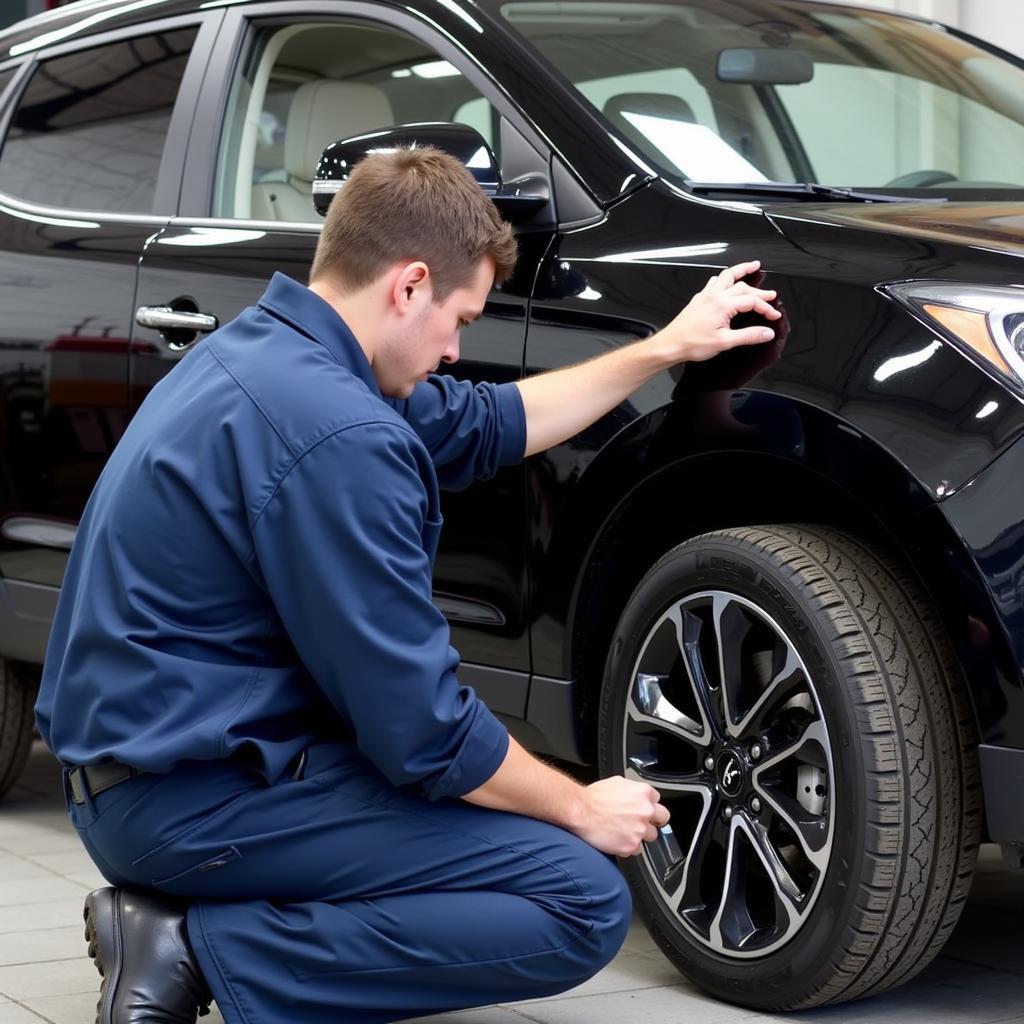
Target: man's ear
{"points": [[412, 287]]}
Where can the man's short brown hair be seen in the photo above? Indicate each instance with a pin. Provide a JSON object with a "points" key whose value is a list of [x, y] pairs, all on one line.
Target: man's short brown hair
{"points": [[412, 204]]}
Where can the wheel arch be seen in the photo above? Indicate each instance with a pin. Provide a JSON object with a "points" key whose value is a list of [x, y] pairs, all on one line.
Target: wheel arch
{"points": [[817, 470]]}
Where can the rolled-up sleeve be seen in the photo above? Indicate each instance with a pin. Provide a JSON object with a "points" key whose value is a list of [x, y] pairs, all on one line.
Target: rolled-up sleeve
{"points": [[342, 544], [470, 430]]}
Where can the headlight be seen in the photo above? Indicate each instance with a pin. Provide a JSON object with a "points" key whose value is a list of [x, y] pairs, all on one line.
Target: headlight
{"points": [[986, 323]]}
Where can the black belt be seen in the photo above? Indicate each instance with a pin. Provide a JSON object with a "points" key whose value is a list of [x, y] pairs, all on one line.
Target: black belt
{"points": [[93, 779]]}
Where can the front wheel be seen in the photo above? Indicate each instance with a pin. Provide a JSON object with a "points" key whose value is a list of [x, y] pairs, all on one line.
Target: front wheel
{"points": [[793, 701]]}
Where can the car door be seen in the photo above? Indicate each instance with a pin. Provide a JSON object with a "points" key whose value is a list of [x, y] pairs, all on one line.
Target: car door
{"points": [[247, 212], [83, 183]]}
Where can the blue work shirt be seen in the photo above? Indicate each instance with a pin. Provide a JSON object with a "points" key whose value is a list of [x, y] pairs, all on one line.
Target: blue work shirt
{"points": [[252, 572]]}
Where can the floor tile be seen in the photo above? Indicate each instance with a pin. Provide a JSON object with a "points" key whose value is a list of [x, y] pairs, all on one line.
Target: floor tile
{"points": [[626, 972], [40, 916], [74, 1008], [42, 840], [14, 1013], [39, 890], [62, 862], [679, 1004], [16, 869], [57, 978], [485, 1015], [28, 947]]}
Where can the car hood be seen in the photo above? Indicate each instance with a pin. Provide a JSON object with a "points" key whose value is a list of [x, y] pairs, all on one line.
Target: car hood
{"points": [[995, 227]]}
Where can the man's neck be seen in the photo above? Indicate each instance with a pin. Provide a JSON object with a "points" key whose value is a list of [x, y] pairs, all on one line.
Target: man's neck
{"points": [[356, 309]]}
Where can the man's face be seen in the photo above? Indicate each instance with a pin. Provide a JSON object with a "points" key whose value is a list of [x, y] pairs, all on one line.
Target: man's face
{"points": [[431, 335]]}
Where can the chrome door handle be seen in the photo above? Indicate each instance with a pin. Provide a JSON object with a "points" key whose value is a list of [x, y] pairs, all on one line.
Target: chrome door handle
{"points": [[163, 318]]}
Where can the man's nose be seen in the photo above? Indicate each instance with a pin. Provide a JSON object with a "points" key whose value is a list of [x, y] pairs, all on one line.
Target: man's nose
{"points": [[451, 353]]}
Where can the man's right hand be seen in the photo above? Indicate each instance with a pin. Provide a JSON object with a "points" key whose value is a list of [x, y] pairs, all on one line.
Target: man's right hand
{"points": [[620, 815]]}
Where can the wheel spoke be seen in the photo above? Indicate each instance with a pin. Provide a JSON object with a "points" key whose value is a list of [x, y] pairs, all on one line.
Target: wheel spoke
{"points": [[788, 893], [731, 628], [667, 782], [813, 733], [811, 830], [787, 681], [688, 627], [710, 831], [648, 704]]}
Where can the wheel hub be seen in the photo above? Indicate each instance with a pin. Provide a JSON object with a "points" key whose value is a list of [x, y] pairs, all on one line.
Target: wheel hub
{"points": [[731, 773]]}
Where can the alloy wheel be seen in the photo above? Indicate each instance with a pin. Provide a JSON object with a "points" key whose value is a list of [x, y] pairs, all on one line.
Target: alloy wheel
{"points": [[722, 718]]}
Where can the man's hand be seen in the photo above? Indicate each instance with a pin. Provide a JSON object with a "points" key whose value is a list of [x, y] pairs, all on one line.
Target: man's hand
{"points": [[614, 815], [702, 329], [619, 815], [560, 403]]}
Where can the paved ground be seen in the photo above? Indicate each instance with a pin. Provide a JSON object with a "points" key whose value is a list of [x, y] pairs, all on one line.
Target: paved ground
{"points": [[45, 975]]}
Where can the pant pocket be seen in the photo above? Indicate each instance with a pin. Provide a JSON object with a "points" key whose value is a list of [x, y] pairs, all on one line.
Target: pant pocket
{"points": [[221, 860]]}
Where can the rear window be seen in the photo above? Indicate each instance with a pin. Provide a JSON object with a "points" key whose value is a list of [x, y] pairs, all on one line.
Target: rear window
{"points": [[90, 128]]}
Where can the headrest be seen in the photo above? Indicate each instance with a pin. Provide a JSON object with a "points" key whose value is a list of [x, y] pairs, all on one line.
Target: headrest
{"points": [[326, 111], [651, 104]]}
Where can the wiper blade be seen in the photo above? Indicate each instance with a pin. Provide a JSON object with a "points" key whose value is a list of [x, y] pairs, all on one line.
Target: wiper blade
{"points": [[806, 190]]}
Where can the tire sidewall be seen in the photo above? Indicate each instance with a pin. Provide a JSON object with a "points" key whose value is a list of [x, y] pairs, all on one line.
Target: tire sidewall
{"points": [[803, 964]]}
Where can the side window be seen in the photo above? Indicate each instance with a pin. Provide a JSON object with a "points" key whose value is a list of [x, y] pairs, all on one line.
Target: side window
{"points": [[304, 86], [89, 131]]}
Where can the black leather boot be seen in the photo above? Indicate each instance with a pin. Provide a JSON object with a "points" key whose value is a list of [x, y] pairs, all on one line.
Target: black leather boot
{"points": [[139, 944]]}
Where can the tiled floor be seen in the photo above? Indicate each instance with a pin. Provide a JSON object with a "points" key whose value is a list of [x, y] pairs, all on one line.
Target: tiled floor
{"points": [[45, 975]]}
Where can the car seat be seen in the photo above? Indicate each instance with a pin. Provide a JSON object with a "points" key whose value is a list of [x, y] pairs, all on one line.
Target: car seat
{"points": [[321, 112]]}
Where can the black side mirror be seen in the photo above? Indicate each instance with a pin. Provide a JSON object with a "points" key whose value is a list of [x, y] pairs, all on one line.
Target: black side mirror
{"points": [[461, 141]]}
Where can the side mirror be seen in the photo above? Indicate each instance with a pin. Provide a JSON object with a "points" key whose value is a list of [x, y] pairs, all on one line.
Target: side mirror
{"points": [[461, 141], [764, 65]]}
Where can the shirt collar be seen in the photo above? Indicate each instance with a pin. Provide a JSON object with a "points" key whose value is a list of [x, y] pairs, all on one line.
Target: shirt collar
{"points": [[309, 314]]}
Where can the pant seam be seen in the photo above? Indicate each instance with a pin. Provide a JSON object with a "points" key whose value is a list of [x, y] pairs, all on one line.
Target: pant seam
{"points": [[221, 974], [452, 963]]}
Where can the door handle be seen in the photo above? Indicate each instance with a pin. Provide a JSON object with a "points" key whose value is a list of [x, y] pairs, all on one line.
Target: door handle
{"points": [[163, 318]]}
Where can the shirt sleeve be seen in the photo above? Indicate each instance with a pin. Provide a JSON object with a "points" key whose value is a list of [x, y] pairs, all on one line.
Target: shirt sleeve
{"points": [[471, 430], [342, 545]]}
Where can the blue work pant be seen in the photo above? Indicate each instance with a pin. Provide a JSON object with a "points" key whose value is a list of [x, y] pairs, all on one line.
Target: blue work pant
{"points": [[338, 897]]}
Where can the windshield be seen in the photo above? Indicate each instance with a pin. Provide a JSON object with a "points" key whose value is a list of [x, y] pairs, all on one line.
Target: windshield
{"points": [[713, 91]]}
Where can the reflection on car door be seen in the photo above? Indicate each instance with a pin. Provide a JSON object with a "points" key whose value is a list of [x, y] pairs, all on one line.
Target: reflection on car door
{"points": [[67, 284]]}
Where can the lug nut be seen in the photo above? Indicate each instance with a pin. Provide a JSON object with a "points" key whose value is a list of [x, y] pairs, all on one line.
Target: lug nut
{"points": [[755, 805], [728, 813], [709, 763], [755, 752]]}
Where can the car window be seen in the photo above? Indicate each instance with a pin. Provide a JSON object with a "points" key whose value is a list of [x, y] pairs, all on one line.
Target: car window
{"points": [[299, 88], [859, 98], [940, 131], [89, 130]]}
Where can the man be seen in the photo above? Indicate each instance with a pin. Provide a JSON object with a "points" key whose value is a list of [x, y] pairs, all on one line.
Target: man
{"points": [[252, 695]]}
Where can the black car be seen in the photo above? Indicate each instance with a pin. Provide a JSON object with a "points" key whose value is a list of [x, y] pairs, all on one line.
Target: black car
{"points": [[786, 587]]}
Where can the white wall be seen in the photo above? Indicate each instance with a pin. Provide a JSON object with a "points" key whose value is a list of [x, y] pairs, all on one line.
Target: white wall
{"points": [[998, 21]]}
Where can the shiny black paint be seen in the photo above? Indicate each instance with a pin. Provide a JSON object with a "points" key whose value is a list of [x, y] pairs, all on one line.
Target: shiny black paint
{"points": [[719, 442]]}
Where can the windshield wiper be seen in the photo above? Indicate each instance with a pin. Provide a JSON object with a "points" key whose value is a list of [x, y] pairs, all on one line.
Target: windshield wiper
{"points": [[806, 190]]}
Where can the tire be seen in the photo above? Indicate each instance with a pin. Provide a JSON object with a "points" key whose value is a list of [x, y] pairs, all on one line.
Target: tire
{"points": [[18, 689], [824, 831]]}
